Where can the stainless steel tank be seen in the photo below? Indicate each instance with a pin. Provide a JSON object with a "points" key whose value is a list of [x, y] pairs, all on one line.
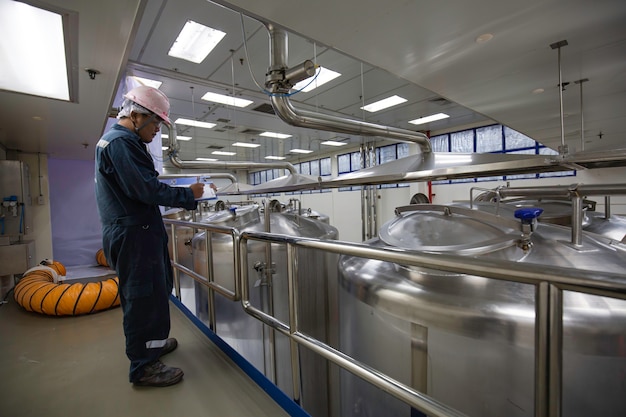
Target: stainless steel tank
{"points": [[317, 272], [559, 211], [466, 340]]}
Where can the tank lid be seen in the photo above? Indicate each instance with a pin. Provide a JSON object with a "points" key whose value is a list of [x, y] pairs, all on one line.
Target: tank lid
{"points": [[449, 229]]}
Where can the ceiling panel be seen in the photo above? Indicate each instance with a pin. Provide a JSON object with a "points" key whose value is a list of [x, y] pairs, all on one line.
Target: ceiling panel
{"points": [[424, 51]]}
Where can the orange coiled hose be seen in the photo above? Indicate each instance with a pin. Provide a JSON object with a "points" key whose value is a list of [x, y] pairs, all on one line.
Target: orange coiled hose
{"points": [[100, 258], [38, 292]]}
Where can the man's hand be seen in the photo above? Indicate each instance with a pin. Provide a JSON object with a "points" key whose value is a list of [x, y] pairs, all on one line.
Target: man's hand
{"points": [[198, 189]]}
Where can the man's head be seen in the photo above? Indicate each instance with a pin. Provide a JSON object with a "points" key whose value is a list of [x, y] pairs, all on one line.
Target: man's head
{"points": [[145, 108]]}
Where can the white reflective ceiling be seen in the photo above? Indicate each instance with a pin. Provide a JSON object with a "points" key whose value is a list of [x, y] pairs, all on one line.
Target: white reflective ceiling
{"points": [[423, 51]]}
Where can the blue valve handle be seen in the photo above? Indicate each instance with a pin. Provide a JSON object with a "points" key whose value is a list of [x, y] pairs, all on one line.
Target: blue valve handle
{"points": [[527, 215]]}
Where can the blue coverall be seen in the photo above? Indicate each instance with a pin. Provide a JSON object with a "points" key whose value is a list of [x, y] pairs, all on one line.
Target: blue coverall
{"points": [[134, 239]]}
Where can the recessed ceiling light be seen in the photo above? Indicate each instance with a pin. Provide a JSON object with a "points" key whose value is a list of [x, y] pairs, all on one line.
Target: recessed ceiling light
{"points": [[383, 104], [300, 150], [485, 37], [224, 153], [228, 100], [275, 157], [207, 159], [34, 45], [195, 42], [246, 145], [323, 75], [189, 122], [147, 81], [275, 135], [428, 119], [333, 143], [538, 90], [166, 136]]}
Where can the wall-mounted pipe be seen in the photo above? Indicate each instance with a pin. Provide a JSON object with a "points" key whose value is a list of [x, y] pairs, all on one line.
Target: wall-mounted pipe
{"points": [[279, 87]]}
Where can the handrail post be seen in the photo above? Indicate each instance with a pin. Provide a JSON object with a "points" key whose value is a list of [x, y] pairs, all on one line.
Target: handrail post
{"points": [[556, 351], [211, 278], [292, 282], [176, 276], [542, 316]]}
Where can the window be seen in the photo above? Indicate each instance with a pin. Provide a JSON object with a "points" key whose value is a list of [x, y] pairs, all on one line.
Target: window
{"points": [[493, 139], [316, 167]]}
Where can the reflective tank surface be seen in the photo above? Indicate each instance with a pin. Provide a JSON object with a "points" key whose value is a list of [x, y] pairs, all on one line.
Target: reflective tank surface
{"points": [[466, 340], [559, 211], [317, 271]]}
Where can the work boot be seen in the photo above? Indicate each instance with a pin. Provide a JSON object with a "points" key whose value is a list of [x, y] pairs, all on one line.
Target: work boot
{"points": [[170, 345], [157, 374]]}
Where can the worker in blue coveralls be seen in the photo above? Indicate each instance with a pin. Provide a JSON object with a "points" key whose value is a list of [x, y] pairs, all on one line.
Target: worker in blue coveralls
{"points": [[134, 238]]}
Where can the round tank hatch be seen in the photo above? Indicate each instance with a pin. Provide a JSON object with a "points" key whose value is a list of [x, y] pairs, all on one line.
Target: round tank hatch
{"points": [[463, 232]]}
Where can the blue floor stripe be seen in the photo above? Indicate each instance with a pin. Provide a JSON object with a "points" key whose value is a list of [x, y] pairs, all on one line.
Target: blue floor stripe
{"points": [[288, 404]]}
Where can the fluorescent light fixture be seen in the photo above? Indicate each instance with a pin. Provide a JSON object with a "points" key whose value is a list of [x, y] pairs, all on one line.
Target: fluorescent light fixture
{"points": [[275, 135], [428, 119], [323, 75], [207, 159], [228, 100], [333, 143], [246, 145], [383, 104], [300, 151], [189, 122], [195, 42], [164, 148], [147, 81], [275, 157], [33, 45], [224, 153], [166, 136]]}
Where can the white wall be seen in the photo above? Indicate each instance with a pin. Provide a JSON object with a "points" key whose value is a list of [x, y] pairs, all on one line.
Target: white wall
{"points": [[41, 231]]}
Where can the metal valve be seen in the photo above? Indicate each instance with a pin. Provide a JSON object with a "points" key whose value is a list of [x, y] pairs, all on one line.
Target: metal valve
{"points": [[528, 217]]}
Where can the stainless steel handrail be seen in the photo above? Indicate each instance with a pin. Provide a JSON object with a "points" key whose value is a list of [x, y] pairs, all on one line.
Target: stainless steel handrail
{"points": [[550, 282], [208, 281]]}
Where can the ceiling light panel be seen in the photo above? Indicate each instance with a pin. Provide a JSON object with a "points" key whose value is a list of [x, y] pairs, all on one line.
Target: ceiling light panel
{"points": [[275, 135], [300, 151], [195, 42], [35, 41], [322, 76], [228, 100], [428, 119], [195, 123], [384, 104], [333, 143], [246, 145], [278, 158], [224, 153], [147, 81]]}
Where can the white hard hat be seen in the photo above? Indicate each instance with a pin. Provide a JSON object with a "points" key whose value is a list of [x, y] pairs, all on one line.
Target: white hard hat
{"points": [[152, 99]]}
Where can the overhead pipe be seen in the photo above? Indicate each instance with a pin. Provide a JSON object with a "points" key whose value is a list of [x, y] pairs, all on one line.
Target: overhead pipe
{"points": [[232, 165], [221, 175], [279, 85]]}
